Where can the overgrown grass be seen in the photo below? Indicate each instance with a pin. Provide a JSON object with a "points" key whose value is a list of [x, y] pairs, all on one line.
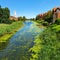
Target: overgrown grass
{"points": [[7, 30], [47, 45]]}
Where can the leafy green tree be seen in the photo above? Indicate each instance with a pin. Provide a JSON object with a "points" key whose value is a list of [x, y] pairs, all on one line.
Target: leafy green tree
{"points": [[24, 18], [4, 14], [1, 14], [38, 17], [48, 16], [20, 18], [0, 6], [32, 19]]}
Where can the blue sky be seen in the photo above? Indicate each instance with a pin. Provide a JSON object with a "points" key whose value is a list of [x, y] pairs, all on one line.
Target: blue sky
{"points": [[29, 8]]}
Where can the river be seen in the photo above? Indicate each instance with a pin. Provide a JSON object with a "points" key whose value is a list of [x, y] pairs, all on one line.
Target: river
{"points": [[19, 44]]}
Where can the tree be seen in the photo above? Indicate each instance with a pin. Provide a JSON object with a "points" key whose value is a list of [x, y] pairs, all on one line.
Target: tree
{"points": [[4, 14], [0, 6], [1, 14], [37, 17], [24, 18], [20, 18], [48, 16]]}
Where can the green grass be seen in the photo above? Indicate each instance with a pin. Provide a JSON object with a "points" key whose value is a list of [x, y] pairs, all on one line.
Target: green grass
{"points": [[57, 28], [7, 30], [5, 37], [47, 45]]}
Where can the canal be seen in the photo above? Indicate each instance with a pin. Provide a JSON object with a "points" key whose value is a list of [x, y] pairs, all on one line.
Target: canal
{"points": [[18, 45]]}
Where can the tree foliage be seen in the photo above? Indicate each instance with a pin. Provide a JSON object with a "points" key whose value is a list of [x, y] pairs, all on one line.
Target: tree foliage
{"points": [[48, 16], [57, 21], [38, 17], [22, 18], [4, 14]]}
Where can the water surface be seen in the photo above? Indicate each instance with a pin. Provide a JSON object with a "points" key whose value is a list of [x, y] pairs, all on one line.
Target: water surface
{"points": [[19, 44]]}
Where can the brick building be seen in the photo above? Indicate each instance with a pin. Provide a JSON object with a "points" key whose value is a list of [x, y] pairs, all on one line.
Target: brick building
{"points": [[56, 14], [13, 18]]}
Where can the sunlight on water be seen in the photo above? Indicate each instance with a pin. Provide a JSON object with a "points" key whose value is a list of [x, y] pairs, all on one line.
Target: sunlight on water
{"points": [[19, 44]]}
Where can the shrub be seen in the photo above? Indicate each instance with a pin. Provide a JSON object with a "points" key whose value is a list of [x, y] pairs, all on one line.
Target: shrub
{"points": [[57, 21], [9, 28], [47, 46], [45, 23]]}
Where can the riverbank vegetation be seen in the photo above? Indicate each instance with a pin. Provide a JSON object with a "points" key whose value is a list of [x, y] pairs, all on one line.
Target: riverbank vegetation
{"points": [[22, 18], [47, 44], [4, 15], [7, 31], [7, 27]]}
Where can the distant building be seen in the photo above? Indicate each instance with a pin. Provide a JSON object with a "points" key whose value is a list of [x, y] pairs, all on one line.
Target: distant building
{"points": [[13, 18], [56, 14]]}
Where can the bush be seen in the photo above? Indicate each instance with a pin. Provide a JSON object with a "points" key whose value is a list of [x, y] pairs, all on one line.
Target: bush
{"points": [[56, 28], [57, 21], [9, 28], [47, 46], [45, 23]]}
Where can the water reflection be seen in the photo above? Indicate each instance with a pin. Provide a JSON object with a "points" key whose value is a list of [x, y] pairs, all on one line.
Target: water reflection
{"points": [[3, 45], [20, 43]]}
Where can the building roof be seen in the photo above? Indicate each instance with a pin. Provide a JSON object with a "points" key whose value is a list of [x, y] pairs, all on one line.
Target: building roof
{"points": [[12, 17], [54, 9]]}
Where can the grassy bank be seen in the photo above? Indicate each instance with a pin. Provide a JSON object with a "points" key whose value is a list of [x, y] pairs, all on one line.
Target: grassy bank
{"points": [[39, 24], [47, 45], [7, 30]]}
